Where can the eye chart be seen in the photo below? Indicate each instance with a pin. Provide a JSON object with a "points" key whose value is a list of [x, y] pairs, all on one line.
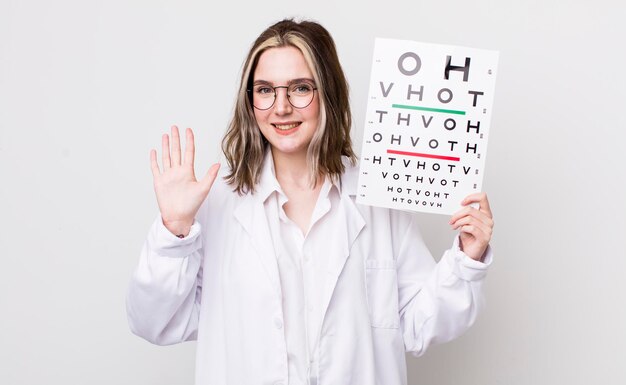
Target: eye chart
{"points": [[426, 125]]}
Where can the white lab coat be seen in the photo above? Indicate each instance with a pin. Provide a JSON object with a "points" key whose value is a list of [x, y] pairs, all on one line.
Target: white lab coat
{"points": [[383, 293]]}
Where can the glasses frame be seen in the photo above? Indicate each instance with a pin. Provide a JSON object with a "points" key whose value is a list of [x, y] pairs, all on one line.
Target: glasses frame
{"points": [[274, 101]]}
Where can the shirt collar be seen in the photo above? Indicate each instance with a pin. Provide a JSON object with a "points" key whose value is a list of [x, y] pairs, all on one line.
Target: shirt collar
{"points": [[268, 183]]}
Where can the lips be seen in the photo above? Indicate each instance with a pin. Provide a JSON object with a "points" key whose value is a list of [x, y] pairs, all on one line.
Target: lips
{"points": [[286, 128]]}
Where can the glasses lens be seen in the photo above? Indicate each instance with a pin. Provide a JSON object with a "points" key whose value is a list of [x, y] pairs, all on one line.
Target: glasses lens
{"points": [[263, 97], [301, 94]]}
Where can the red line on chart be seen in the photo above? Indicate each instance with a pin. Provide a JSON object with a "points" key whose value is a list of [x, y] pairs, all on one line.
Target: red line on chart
{"points": [[453, 158]]}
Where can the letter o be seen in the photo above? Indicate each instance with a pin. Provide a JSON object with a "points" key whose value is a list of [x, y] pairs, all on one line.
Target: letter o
{"points": [[409, 72], [449, 128], [436, 166], [446, 90], [377, 137], [430, 144]]}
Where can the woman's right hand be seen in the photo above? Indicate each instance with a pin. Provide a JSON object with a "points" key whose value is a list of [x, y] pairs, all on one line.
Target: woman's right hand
{"points": [[179, 194]]}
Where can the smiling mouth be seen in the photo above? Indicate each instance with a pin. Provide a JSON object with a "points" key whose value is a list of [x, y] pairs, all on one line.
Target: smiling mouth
{"points": [[286, 127]]}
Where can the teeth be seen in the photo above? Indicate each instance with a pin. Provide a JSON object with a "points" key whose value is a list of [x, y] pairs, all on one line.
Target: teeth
{"points": [[285, 127]]}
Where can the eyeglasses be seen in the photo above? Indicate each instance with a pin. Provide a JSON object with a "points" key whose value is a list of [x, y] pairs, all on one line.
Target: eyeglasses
{"points": [[300, 95]]}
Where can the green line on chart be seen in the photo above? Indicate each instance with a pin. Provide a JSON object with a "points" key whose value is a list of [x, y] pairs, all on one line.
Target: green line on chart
{"points": [[456, 112]]}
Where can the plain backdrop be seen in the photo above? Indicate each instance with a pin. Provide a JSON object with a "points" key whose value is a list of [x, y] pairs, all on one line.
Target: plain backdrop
{"points": [[87, 88]]}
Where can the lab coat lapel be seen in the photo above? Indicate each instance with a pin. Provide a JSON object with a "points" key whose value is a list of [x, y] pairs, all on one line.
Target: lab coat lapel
{"points": [[251, 214], [348, 228]]}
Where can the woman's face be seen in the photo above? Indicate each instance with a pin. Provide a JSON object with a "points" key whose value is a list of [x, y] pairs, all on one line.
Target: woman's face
{"points": [[288, 129]]}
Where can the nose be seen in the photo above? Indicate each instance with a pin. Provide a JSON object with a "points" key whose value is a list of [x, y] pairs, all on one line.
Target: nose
{"points": [[282, 106]]}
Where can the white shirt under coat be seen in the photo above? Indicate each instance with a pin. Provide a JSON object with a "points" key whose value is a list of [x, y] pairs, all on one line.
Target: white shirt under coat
{"points": [[369, 289], [301, 260]]}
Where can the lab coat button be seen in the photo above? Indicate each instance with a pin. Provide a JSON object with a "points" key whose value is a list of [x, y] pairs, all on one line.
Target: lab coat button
{"points": [[278, 322]]}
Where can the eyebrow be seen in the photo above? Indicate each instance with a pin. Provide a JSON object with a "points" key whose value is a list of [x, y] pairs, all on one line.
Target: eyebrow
{"points": [[292, 81]]}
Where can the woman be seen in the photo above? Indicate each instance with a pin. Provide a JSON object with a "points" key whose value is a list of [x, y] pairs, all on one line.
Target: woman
{"points": [[274, 269]]}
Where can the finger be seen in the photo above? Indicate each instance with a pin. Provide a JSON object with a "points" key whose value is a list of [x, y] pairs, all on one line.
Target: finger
{"points": [[154, 165], [470, 211], [175, 147], [460, 214], [190, 148], [481, 199], [473, 242], [471, 221], [466, 203], [477, 233], [165, 152], [210, 176]]}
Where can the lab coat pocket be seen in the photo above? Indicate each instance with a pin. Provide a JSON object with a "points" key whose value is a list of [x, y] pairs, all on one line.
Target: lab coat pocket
{"points": [[382, 293]]}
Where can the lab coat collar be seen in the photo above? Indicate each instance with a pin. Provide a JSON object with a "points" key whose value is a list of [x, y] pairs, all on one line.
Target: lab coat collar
{"points": [[251, 214]]}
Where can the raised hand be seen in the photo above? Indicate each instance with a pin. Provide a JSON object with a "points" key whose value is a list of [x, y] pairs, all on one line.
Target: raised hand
{"points": [[179, 194], [476, 225]]}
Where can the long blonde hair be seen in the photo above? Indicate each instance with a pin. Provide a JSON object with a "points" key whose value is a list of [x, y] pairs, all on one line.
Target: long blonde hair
{"points": [[244, 145]]}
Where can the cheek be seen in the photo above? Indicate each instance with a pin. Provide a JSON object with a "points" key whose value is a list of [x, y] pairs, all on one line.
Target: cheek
{"points": [[260, 116], [313, 112]]}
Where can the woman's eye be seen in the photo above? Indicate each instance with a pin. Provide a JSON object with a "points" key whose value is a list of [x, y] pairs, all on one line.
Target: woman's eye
{"points": [[302, 88], [264, 90]]}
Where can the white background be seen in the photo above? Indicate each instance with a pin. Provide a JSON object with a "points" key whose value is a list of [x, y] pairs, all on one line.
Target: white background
{"points": [[87, 88]]}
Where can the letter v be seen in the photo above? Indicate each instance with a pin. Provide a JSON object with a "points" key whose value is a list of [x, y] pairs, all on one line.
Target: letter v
{"points": [[385, 91]]}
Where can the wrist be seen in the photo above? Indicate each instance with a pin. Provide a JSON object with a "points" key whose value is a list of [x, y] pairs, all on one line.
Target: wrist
{"points": [[179, 228]]}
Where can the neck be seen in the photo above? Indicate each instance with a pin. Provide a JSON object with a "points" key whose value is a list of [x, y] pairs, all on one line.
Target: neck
{"points": [[291, 168]]}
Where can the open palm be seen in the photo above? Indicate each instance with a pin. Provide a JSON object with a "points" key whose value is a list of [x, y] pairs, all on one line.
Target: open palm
{"points": [[179, 194]]}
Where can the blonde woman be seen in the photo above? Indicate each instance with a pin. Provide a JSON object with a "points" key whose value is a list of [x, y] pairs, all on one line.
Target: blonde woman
{"points": [[272, 267]]}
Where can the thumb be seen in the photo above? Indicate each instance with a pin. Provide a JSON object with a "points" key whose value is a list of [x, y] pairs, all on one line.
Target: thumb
{"points": [[210, 176]]}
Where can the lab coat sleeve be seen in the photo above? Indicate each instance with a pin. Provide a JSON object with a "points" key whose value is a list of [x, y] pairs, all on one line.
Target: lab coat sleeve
{"points": [[438, 301], [163, 298]]}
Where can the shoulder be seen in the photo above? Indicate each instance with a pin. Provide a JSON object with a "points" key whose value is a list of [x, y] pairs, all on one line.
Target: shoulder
{"points": [[350, 177]]}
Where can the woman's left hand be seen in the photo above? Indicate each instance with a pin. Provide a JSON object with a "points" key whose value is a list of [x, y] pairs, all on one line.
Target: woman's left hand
{"points": [[476, 225]]}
